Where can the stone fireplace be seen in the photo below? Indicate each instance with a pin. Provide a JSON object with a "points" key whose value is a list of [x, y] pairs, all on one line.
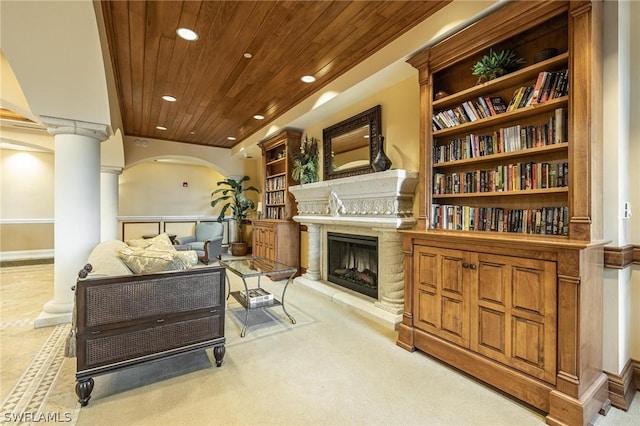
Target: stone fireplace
{"points": [[370, 207]]}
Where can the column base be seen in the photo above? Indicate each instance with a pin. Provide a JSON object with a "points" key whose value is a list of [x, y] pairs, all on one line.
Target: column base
{"points": [[46, 319], [394, 308], [311, 276]]}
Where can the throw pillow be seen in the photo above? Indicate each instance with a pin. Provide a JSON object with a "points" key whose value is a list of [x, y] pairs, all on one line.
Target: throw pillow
{"points": [[145, 261], [105, 262], [189, 257], [160, 242]]}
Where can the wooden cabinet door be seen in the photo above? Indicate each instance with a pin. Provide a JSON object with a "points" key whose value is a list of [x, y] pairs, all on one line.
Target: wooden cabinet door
{"points": [[513, 312], [270, 243], [259, 248], [441, 293]]}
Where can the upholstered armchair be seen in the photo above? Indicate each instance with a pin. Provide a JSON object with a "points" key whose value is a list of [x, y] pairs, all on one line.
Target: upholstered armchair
{"points": [[207, 241]]}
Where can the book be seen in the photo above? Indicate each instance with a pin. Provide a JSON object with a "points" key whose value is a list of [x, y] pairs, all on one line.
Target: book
{"points": [[549, 84], [470, 112], [526, 97], [485, 107], [515, 100], [498, 104], [559, 133], [257, 296], [542, 77]]}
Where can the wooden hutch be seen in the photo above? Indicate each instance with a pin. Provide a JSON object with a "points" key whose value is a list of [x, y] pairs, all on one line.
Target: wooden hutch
{"points": [[503, 274], [276, 236]]}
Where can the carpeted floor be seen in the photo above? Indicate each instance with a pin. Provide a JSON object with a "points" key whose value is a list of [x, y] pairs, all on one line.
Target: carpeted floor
{"points": [[332, 367]]}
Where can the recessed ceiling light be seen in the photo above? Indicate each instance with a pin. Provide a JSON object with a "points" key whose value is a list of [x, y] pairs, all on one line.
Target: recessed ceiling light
{"points": [[192, 132], [161, 128], [308, 79], [258, 117], [187, 34], [231, 138], [248, 55], [169, 98]]}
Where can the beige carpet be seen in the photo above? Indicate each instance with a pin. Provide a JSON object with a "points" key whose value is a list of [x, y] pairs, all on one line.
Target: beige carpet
{"points": [[332, 367]]}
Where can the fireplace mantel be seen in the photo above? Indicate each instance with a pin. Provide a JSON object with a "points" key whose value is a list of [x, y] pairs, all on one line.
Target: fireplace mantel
{"points": [[382, 200], [375, 204]]}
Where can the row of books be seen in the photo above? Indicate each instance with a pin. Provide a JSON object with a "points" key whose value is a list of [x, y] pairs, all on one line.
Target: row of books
{"points": [[275, 197], [549, 85], [545, 220], [274, 213], [257, 297], [510, 177], [275, 183], [507, 139], [468, 111]]}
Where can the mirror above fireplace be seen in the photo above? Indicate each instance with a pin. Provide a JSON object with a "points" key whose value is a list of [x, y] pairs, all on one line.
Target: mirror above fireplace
{"points": [[351, 145]]}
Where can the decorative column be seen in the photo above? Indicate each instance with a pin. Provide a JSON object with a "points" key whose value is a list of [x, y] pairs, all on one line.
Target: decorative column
{"points": [[391, 292], [77, 209], [109, 202], [314, 252]]}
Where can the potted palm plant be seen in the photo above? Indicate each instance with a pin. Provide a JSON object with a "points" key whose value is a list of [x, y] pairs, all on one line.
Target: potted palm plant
{"points": [[232, 196]]}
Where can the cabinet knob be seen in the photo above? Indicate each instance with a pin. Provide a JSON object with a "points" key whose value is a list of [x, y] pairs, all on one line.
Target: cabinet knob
{"points": [[472, 266], [465, 265]]}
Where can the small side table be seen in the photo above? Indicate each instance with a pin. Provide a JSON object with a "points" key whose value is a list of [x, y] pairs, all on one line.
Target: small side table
{"points": [[258, 267]]}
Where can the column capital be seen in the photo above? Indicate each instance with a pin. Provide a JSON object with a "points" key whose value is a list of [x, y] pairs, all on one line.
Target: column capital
{"points": [[63, 126], [111, 169]]}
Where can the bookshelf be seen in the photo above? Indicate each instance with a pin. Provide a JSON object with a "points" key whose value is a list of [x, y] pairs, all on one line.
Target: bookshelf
{"points": [[503, 273], [276, 236]]}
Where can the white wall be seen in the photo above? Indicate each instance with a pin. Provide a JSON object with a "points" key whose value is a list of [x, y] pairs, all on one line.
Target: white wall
{"points": [[621, 299], [156, 189]]}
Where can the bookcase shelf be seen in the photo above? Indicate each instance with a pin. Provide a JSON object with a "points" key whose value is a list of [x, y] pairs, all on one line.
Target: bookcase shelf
{"points": [[546, 151], [532, 192], [506, 117], [515, 78]]}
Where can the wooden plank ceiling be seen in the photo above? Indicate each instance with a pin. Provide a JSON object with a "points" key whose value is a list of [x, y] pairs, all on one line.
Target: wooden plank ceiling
{"points": [[218, 90]]}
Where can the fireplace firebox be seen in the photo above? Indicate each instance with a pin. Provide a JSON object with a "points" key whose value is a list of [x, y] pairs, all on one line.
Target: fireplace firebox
{"points": [[353, 262]]}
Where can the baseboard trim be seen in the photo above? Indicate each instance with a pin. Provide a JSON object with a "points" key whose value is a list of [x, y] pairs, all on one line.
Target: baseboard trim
{"points": [[25, 255], [622, 388]]}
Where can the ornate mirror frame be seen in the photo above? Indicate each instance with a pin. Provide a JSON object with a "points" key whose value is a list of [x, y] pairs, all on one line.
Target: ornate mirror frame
{"points": [[371, 117]]}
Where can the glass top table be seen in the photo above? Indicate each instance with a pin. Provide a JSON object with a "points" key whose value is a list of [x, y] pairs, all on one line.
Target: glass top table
{"points": [[258, 267]]}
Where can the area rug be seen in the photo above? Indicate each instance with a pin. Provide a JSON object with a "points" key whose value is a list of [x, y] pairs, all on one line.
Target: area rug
{"points": [[263, 322]]}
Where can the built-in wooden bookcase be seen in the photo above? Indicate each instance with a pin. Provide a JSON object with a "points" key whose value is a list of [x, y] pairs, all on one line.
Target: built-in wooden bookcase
{"points": [[503, 172], [277, 159], [276, 236], [503, 275]]}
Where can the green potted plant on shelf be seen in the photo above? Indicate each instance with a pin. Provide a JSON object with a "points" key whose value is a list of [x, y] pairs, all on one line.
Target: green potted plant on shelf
{"points": [[305, 162], [232, 196], [496, 64]]}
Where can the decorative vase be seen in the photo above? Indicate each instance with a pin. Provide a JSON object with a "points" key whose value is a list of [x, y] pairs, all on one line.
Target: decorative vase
{"points": [[381, 162], [239, 248], [440, 94]]}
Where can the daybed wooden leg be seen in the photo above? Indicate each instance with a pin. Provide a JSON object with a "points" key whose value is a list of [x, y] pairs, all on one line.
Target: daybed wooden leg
{"points": [[218, 353], [83, 390]]}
